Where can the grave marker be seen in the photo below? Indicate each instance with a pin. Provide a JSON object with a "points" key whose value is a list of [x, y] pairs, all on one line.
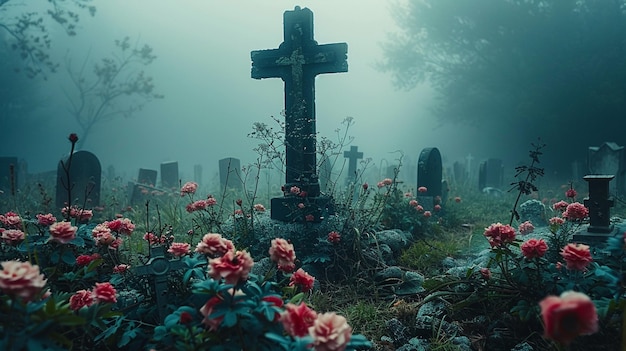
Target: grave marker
{"points": [[353, 156], [230, 173], [146, 180], [429, 174], [608, 158], [157, 270], [8, 175], [491, 174], [85, 178], [297, 61], [599, 204], [169, 175]]}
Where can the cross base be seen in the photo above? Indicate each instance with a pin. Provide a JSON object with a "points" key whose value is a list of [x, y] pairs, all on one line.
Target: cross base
{"points": [[296, 209], [595, 235]]}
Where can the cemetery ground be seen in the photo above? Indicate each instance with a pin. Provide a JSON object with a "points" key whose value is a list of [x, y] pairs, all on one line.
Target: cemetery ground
{"points": [[403, 277]]}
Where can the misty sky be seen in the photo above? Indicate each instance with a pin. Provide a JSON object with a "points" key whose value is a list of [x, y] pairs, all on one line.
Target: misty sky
{"points": [[203, 69]]}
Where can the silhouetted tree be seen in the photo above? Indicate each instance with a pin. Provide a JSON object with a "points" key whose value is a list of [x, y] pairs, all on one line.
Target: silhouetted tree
{"points": [[554, 68], [116, 87]]}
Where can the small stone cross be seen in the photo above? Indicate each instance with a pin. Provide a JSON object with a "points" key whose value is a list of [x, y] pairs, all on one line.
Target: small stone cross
{"points": [[157, 269], [353, 155]]}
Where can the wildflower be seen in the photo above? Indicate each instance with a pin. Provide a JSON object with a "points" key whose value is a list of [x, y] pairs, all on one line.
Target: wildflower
{"points": [[294, 190], [116, 243], [571, 193], [197, 206], [62, 232], [413, 203], [485, 273], [560, 206], [233, 267], [330, 332], [567, 316], [179, 249], [556, 221], [499, 234], [21, 279], [534, 248], [577, 256], [297, 319], [282, 252], [13, 236], [526, 228], [152, 239], [105, 292], [437, 208], [457, 199], [422, 189], [45, 219], [387, 181], [239, 202], [121, 225], [259, 208], [427, 214], [380, 185], [334, 237], [576, 211], [80, 299], [408, 194], [214, 245], [301, 205], [309, 218], [189, 188], [302, 279], [210, 201], [365, 186], [84, 215], [419, 208]]}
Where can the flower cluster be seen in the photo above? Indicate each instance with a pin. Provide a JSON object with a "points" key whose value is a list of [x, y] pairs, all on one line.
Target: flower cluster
{"points": [[499, 235], [189, 188], [101, 293], [526, 228]]}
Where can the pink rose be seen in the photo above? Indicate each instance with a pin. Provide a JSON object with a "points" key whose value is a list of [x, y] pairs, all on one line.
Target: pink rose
{"points": [[568, 316], [179, 249], [121, 268], [105, 292], [334, 237], [11, 220], [485, 273], [576, 211], [197, 206], [303, 279], [298, 319], [330, 332], [189, 188], [526, 228], [62, 232], [12, 236], [82, 298], [422, 189], [21, 279], [413, 203], [259, 208], [233, 267], [577, 256], [499, 234], [214, 245], [282, 252], [46, 219], [427, 214], [560, 206], [534, 248], [571, 193]]}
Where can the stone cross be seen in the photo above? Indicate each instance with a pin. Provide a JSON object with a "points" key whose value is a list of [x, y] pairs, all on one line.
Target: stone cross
{"points": [[297, 61], [353, 155], [157, 269]]}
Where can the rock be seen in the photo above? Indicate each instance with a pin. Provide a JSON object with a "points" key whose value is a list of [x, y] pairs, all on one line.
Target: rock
{"points": [[523, 347], [395, 239], [533, 211], [415, 344], [398, 332], [463, 343]]}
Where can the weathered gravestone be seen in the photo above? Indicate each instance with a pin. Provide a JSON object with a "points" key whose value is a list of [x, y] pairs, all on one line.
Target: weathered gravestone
{"points": [[8, 175], [157, 270], [429, 174], [599, 204], [146, 181], [297, 61], [197, 174], [230, 176], [608, 158], [169, 175], [78, 181], [353, 156], [491, 174]]}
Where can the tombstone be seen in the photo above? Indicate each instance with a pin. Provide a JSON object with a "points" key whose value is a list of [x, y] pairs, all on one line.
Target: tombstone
{"points": [[599, 204], [491, 174], [325, 174], [297, 61], [608, 158], [197, 174], [157, 269], [429, 174], [82, 189], [353, 155], [146, 180], [230, 173], [8, 175], [147, 177], [459, 172], [169, 175]]}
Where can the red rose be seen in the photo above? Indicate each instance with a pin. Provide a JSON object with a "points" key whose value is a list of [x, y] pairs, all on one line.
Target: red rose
{"points": [[81, 299], [533, 248], [499, 234], [302, 279], [298, 319], [179, 249], [576, 211], [568, 316], [331, 332], [577, 256], [233, 266], [84, 260], [105, 292]]}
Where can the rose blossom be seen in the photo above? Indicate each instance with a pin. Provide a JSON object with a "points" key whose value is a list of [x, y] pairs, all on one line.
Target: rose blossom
{"points": [[556, 221], [331, 332], [259, 208], [571, 193], [427, 214], [46, 219], [121, 268], [62, 232], [437, 208], [499, 234], [576, 211], [387, 181], [334, 237], [568, 316], [179, 249], [298, 319], [105, 292], [214, 245], [577, 256], [233, 267], [84, 260], [303, 279], [11, 220], [534, 248], [274, 300], [413, 203], [560, 206], [197, 206], [206, 311], [422, 189], [485, 273], [13, 236], [189, 188], [526, 228], [282, 252], [21, 279], [82, 298], [84, 215]]}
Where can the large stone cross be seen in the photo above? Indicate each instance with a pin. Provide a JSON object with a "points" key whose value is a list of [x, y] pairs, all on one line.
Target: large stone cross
{"points": [[353, 155], [157, 269], [297, 61]]}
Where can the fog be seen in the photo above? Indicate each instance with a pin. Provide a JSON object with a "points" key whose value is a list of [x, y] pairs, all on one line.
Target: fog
{"points": [[210, 104]]}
